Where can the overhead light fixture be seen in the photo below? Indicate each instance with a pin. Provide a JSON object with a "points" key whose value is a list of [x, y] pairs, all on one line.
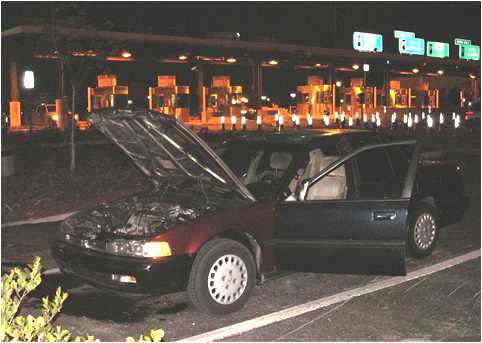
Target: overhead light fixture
{"points": [[293, 95], [440, 72], [231, 60], [182, 57], [273, 62], [472, 76], [415, 70], [126, 54], [338, 83], [355, 67], [28, 79], [366, 67], [317, 65]]}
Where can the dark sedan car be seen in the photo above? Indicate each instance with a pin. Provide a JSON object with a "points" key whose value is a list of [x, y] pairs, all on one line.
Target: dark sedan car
{"points": [[218, 223]]}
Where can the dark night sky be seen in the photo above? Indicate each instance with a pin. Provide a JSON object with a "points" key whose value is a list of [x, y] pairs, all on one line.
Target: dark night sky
{"points": [[310, 23]]}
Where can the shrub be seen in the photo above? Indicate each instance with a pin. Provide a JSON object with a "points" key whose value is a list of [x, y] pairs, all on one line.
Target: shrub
{"points": [[16, 286]]}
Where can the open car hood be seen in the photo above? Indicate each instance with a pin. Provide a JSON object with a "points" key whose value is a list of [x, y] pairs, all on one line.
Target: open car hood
{"points": [[162, 147]]}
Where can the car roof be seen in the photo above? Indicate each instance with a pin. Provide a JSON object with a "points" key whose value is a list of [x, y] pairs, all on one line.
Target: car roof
{"points": [[295, 136]]}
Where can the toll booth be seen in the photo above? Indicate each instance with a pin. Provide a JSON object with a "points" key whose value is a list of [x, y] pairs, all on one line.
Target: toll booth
{"points": [[169, 98], [107, 94], [399, 97], [314, 98], [222, 99], [357, 98]]}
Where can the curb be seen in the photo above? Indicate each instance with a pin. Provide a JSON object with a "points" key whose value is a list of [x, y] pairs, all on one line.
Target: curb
{"points": [[50, 219]]}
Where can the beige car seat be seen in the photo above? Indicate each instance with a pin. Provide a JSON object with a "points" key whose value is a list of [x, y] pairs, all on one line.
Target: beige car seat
{"points": [[333, 185]]}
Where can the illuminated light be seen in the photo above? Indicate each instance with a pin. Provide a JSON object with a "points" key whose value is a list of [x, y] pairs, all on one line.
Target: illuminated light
{"points": [[356, 115], [472, 76], [410, 121], [338, 83], [156, 249], [415, 70], [373, 118], [423, 115], [463, 99], [55, 117], [268, 99], [244, 100], [276, 117], [416, 119], [405, 118], [350, 121], [76, 117], [231, 60], [297, 121], [263, 97], [342, 101], [233, 119], [273, 62], [126, 54], [470, 103], [379, 122], [388, 61], [384, 109], [317, 65], [365, 118], [243, 120], [429, 121], [440, 72], [355, 67], [309, 119], [280, 120], [394, 117], [336, 114], [293, 95], [127, 279], [343, 116], [129, 102], [148, 97], [258, 120], [453, 115], [348, 108], [366, 67], [222, 119], [28, 79], [441, 118], [327, 120], [457, 121], [182, 57]]}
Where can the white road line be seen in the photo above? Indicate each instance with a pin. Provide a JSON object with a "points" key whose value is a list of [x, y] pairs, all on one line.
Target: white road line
{"points": [[299, 310], [50, 219]]}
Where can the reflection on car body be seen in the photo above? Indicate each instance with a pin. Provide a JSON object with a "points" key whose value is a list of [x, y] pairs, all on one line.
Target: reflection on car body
{"points": [[216, 224]]}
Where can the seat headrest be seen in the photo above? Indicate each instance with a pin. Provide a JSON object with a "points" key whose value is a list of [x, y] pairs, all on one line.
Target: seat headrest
{"points": [[280, 160]]}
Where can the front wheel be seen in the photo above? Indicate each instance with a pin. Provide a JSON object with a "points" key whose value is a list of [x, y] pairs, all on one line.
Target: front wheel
{"points": [[422, 231], [222, 277]]}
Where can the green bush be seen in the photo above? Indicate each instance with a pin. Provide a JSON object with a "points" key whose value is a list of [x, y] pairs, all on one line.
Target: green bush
{"points": [[16, 286]]}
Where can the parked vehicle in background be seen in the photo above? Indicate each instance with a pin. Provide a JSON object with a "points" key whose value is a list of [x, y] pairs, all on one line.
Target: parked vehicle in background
{"points": [[218, 223]]}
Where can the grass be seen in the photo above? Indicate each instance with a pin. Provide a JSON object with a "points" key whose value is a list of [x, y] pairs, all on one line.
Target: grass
{"points": [[44, 185]]}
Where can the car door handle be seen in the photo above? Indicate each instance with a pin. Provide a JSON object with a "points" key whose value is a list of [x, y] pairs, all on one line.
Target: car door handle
{"points": [[384, 215]]}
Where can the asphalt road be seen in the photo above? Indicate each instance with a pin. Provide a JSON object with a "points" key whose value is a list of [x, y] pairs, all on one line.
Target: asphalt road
{"points": [[441, 306]]}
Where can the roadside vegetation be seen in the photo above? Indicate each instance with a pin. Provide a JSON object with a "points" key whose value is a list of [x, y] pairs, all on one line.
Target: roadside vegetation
{"points": [[17, 285], [43, 184]]}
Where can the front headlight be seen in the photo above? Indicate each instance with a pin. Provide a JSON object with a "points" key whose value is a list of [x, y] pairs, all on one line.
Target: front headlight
{"points": [[135, 248]]}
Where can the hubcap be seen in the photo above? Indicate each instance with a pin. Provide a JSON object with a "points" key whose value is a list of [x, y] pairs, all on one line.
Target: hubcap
{"points": [[227, 279], [425, 228]]}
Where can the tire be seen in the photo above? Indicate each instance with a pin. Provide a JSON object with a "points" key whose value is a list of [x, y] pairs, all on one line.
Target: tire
{"points": [[222, 277], [423, 231]]}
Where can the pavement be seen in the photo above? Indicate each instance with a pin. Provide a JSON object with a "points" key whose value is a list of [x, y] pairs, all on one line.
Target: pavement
{"points": [[443, 305]]}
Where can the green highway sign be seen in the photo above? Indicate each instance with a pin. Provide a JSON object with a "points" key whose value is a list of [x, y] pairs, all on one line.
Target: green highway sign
{"points": [[460, 41], [403, 34], [367, 42], [438, 49], [469, 52], [411, 46]]}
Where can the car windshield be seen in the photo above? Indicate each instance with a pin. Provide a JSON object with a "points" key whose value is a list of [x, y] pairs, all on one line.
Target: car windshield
{"points": [[261, 167]]}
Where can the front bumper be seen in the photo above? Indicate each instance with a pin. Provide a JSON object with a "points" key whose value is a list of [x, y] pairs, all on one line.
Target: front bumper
{"points": [[153, 276]]}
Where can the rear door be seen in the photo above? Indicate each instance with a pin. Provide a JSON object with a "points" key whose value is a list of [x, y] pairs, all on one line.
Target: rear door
{"points": [[351, 217]]}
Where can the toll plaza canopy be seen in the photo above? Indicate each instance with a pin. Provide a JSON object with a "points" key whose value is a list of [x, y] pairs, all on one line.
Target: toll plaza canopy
{"points": [[167, 48]]}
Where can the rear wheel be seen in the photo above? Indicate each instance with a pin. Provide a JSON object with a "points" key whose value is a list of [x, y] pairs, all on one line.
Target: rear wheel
{"points": [[423, 231], [222, 277]]}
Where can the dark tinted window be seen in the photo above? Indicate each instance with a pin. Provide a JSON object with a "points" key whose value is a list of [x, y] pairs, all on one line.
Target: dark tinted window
{"points": [[373, 166], [400, 158]]}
